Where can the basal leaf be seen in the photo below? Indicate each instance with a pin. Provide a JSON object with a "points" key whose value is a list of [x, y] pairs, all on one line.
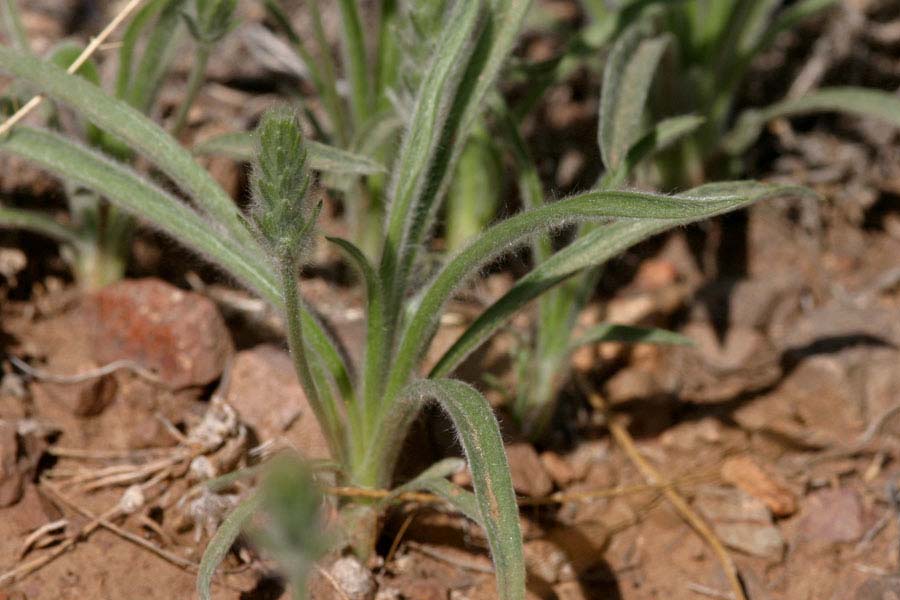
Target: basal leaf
{"points": [[480, 438], [592, 249]]}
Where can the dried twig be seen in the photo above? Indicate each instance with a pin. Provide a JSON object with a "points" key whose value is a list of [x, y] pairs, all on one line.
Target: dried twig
{"points": [[105, 522], [119, 365], [626, 442], [73, 68]]}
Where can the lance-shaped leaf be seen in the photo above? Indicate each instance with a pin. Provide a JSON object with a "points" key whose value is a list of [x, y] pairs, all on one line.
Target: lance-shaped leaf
{"points": [[159, 51], [626, 83], [853, 100], [322, 157], [423, 135], [139, 197], [479, 435], [15, 218], [222, 541], [139, 132], [613, 332], [593, 249], [503, 236]]}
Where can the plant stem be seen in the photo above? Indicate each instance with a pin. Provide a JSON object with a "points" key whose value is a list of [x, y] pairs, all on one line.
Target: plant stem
{"points": [[292, 308], [195, 81]]}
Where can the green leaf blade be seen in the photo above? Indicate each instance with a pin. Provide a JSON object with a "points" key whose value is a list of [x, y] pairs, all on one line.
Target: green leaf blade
{"points": [[222, 541], [593, 249], [322, 157], [614, 332], [482, 443], [626, 84]]}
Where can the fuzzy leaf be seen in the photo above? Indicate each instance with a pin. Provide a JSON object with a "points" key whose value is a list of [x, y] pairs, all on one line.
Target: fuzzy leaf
{"points": [[612, 332], [135, 195], [329, 159], [593, 249], [439, 471], [863, 102], [480, 437], [14, 218], [222, 541], [422, 138], [498, 36], [503, 236], [627, 79]]}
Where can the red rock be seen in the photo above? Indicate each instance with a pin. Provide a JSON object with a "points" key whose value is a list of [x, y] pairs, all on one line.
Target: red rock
{"points": [[265, 392], [528, 474], [832, 517], [180, 335]]}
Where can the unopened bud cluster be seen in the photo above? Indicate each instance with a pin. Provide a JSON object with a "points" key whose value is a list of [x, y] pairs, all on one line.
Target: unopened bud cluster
{"points": [[281, 213]]}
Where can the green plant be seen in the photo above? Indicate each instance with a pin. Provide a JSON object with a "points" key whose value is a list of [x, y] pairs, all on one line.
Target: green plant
{"points": [[629, 145], [366, 413], [368, 121], [711, 47]]}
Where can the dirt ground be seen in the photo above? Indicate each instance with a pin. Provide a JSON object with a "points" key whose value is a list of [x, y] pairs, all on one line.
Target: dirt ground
{"points": [[780, 427]]}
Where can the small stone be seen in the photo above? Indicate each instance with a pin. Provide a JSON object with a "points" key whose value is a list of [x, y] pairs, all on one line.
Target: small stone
{"points": [[265, 392], [745, 473], [631, 383], [832, 517], [559, 470], [545, 560], [353, 578], [741, 521], [11, 477], [528, 474], [180, 335]]}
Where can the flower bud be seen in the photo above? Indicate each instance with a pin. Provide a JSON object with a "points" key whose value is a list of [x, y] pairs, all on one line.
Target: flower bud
{"points": [[281, 213]]}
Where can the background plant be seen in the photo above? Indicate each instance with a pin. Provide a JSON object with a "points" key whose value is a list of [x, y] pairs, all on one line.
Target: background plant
{"points": [[640, 133]]}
